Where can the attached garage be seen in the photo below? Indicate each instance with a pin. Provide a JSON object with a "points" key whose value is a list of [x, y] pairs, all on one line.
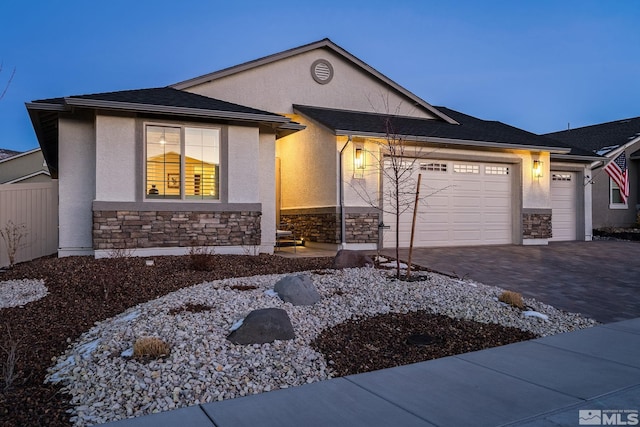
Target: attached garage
{"points": [[463, 204], [563, 205]]}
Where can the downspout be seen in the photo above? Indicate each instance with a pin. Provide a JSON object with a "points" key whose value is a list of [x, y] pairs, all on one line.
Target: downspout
{"points": [[343, 220]]}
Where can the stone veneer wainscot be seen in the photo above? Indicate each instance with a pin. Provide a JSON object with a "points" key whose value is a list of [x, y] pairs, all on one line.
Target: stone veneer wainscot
{"points": [[536, 225], [146, 229]]}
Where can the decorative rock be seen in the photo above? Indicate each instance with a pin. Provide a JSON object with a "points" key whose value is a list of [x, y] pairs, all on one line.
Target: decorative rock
{"points": [[351, 259], [298, 290], [263, 326]]}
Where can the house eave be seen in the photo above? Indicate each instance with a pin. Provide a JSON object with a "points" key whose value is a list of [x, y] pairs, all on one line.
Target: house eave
{"points": [[575, 157], [185, 111], [459, 142]]}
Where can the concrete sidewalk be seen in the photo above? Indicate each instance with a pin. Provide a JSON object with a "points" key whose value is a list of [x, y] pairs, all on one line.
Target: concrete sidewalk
{"points": [[543, 382]]}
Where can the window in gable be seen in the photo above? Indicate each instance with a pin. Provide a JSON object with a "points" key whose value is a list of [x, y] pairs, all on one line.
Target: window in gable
{"points": [[182, 162]]}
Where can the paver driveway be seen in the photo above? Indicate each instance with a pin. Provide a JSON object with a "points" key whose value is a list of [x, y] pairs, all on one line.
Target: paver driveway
{"points": [[600, 279]]}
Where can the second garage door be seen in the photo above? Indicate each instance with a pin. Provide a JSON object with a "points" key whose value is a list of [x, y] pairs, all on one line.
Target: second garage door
{"points": [[563, 206], [464, 203]]}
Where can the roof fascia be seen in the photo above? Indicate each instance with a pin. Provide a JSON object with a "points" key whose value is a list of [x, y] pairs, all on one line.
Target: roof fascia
{"points": [[325, 43], [575, 157], [31, 175], [44, 106], [164, 109], [461, 142], [616, 151]]}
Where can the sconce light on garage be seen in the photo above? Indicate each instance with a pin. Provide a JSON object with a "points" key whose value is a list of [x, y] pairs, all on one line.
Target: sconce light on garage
{"points": [[359, 161], [537, 169]]}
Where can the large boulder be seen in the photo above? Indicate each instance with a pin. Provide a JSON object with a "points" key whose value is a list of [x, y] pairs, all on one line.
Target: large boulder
{"points": [[351, 259], [298, 290], [263, 326]]}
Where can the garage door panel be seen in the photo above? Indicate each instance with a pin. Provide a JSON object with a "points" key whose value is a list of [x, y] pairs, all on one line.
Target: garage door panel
{"points": [[458, 208], [563, 206]]}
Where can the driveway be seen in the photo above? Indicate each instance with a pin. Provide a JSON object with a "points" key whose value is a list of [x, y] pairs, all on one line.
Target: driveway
{"points": [[600, 279]]}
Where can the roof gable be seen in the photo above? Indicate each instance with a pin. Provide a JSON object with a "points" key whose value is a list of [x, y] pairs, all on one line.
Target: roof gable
{"points": [[324, 44]]}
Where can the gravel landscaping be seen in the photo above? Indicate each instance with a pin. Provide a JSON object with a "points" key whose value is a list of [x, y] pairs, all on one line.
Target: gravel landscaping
{"points": [[80, 334]]}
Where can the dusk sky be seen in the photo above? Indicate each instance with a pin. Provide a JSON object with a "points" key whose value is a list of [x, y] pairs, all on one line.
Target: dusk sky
{"points": [[537, 65]]}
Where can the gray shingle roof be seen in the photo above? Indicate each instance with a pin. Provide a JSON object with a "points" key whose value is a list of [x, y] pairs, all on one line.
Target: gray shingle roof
{"points": [[162, 96], [596, 137], [469, 129], [5, 153]]}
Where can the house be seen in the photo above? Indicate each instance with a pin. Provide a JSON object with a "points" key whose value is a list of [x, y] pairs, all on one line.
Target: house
{"points": [[610, 140], [23, 167], [297, 138]]}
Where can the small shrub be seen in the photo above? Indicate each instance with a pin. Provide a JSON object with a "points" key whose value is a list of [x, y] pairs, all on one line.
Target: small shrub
{"points": [[150, 347], [121, 252], [8, 360], [201, 258], [12, 234], [512, 298]]}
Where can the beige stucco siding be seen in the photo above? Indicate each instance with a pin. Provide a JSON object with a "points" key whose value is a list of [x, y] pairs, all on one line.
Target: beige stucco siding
{"points": [[243, 161], [77, 182], [286, 82], [267, 151], [115, 159], [308, 167]]}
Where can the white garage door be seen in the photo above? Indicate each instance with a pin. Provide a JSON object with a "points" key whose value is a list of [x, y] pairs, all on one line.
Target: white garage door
{"points": [[464, 203], [563, 206]]}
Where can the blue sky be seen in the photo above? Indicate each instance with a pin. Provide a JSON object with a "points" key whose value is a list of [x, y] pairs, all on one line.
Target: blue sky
{"points": [[537, 65]]}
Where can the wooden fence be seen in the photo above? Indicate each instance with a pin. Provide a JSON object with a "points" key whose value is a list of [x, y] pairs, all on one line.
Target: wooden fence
{"points": [[35, 207]]}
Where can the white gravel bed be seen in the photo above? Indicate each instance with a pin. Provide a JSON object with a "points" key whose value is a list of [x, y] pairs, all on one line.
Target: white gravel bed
{"points": [[204, 366], [16, 293]]}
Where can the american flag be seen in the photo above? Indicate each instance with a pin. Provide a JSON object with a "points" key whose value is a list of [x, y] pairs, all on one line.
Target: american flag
{"points": [[617, 170]]}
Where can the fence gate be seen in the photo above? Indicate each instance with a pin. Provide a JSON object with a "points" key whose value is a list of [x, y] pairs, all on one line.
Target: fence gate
{"points": [[34, 205]]}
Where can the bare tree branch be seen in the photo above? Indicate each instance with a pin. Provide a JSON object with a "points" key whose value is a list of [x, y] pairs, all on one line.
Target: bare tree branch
{"points": [[6, 87]]}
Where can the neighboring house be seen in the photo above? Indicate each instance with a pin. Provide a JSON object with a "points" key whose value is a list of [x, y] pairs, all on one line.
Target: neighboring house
{"points": [[610, 140], [224, 158], [23, 167]]}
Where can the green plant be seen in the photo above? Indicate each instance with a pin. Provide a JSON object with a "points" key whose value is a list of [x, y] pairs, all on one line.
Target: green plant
{"points": [[12, 234], [150, 347], [512, 298]]}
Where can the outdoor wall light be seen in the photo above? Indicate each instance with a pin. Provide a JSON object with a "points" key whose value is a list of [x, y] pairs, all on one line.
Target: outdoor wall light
{"points": [[537, 169], [358, 158], [358, 162]]}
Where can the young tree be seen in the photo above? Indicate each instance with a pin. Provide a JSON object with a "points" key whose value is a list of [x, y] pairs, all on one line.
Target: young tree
{"points": [[6, 86], [393, 161]]}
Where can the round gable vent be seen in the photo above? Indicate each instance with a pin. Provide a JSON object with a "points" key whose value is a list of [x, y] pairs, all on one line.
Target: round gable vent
{"points": [[322, 71]]}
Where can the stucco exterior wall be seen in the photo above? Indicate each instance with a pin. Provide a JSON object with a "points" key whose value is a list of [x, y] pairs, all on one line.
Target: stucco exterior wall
{"points": [[308, 167], [243, 164], [77, 183], [288, 81], [116, 158], [267, 182], [605, 215]]}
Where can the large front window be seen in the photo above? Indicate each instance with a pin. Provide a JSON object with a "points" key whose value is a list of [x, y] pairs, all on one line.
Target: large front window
{"points": [[182, 162]]}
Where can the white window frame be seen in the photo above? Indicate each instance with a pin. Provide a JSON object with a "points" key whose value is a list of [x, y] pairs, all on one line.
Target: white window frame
{"points": [[615, 205], [183, 197], [466, 168]]}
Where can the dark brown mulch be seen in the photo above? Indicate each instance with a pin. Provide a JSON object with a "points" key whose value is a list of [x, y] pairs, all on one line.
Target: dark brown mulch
{"points": [[83, 290], [386, 341]]}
